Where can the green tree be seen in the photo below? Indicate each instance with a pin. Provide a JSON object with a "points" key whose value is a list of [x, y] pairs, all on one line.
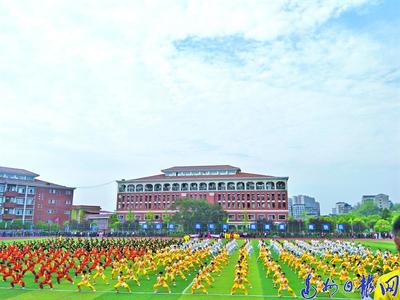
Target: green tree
{"points": [[129, 216], [367, 209], [149, 216], [16, 224], [192, 211], [386, 214], [166, 218], [382, 226], [359, 225], [113, 221], [41, 225]]}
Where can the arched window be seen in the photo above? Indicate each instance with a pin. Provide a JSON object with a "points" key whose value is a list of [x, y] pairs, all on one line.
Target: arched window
{"points": [[249, 185], [203, 186], [240, 186], [280, 185], [221, 186], [131, 188], [122, 188], [260, 185], [270, 185], [166, 187], [184, 187], [148, 188], [157, 187], [231, 186], [175, 187], [139, 188], [193, 186], [212, 186]]}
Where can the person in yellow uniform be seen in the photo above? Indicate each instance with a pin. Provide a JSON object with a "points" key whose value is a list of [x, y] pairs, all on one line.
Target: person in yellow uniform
{"points": [[284, 285], [100, 273], [238, 283], [122, 283], [85, 281], [387, 287], [161, 282], [197, 284]]}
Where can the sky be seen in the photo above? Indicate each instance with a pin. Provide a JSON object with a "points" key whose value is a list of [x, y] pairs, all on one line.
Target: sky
{"points": [[95, 91]]}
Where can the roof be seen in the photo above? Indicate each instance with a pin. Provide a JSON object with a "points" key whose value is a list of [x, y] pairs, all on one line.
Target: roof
{"points": [[35, 183], [177, 178], [17, 171], [200, 168]]}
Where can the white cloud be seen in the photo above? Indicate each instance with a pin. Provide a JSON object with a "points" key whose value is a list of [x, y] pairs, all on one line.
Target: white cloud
{"points": [[103, 92]]}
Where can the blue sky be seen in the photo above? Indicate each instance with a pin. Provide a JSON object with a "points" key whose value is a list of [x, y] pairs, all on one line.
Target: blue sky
{"points": [[106, 90]]}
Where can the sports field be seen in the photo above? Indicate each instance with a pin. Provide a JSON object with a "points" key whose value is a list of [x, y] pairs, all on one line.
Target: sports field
{"points": [[262, 287]]}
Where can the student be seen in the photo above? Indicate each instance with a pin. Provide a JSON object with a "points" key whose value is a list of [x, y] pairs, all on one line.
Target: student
{"points": [[383, 289]]}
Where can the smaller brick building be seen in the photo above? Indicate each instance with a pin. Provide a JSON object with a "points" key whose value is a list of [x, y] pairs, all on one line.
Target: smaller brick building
{"points": [[24, 197]]}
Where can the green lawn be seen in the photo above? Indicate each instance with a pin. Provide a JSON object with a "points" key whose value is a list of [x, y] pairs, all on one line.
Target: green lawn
{"points": [[262, 287]]}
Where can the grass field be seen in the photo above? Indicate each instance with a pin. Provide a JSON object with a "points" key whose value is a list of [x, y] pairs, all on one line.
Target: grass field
{"points": [[262, 287]]}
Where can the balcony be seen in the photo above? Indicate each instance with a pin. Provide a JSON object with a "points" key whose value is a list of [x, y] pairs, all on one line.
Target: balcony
{"points": [[11, 194], [9, 205], [8, 216]]}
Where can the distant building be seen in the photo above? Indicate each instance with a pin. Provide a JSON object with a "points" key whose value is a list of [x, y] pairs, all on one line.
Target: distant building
{"points": [[381, 200], [92, 214], [302, 205], [80, 212], [26, 198], [341, 208], [246, 197]]}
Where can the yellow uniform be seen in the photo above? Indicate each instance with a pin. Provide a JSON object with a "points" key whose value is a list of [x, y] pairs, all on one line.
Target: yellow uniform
{"points": [[161, 282], [385, 284], [122, 283], [85, 282]]}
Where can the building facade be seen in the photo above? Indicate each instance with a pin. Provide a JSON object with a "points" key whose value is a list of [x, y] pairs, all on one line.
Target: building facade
{"points": [[246, 197], [301, 206], [381, 200], [341, 208], [26, 198]]}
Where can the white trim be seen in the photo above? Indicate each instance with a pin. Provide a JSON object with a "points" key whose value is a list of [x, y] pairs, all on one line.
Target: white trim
{"points": [[257, 210], [146, 211]]}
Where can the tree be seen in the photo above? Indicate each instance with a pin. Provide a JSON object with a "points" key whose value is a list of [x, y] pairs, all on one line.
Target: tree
{"points": [[192, 211], [367, 209], [149, 216], [386, 214], [382, 226], [113, 221], [129, 216], [16, 224], [359, 225], [41, 225]]}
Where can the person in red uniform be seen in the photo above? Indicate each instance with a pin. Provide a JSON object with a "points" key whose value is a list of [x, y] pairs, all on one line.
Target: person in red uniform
{"points": [[17, 279], [46, 280]]}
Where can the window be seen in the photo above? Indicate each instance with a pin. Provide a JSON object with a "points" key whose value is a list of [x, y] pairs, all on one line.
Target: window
{"points": [[50, 211], [68, 202], [251, 217], [240, 217], [282, 217], [231, 217], [31, 190], [68, 192], [52, 191], [29, 201], [261, 217], [67, 212], [271, 217], [52, 201]]}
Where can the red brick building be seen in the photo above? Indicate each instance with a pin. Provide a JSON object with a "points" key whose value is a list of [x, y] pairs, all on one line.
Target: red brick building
{"points": [[243, 195], [24, 197]]}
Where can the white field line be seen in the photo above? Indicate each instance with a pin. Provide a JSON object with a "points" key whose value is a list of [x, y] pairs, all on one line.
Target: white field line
{"points": [[152, 293]]}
